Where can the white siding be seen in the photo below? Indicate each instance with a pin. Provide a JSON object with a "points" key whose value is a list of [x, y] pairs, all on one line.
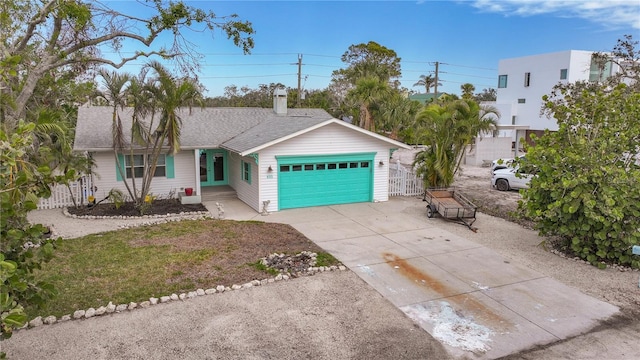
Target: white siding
{"points": [[330, 139], [545, 73], [246, 192], [106, 178]]}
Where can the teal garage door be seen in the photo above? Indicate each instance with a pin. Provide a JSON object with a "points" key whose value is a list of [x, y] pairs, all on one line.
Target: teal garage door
{"points": [[324, 180]]}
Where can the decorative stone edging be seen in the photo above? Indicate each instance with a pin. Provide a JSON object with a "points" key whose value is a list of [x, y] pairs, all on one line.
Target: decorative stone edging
{"points": [[152, 219], [112, 308], [577, 259], [65, 212]]}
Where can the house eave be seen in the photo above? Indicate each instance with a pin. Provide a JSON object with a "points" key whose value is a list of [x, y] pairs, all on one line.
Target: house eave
{"points": [[317, 126]]}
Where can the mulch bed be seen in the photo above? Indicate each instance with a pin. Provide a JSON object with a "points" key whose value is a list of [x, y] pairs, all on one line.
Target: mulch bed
{"points": [[158, 207]]}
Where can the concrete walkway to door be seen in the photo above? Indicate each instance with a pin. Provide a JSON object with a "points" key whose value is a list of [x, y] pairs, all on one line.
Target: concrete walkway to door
{"points": [[475, 302]]}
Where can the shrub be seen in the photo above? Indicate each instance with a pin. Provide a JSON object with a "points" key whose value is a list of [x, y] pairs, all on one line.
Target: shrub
{"points": [[586, 190]]}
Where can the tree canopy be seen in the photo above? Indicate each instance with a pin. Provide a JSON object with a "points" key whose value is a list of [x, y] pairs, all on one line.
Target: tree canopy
{"points": [[49, 51], [369, 60], [39, 37]]}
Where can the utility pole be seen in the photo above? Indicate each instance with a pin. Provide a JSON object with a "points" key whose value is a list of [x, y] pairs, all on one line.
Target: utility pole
{"points": [[436, 84], [299, 79]]}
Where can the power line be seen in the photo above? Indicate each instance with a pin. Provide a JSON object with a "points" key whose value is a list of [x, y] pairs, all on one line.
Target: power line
{"points": [[313, 55], [460, 82], [476, 76], [473, 67], [243, 76]]}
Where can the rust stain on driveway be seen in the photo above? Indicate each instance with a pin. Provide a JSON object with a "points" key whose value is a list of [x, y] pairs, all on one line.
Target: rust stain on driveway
{"points": [[463, 301]]}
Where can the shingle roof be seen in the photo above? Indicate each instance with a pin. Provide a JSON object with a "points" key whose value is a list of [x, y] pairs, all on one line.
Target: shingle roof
{"points": [[237, 129], [276, 127]]}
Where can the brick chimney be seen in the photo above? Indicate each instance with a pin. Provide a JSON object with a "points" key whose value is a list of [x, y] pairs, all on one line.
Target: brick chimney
{"points": [[280, 101]]}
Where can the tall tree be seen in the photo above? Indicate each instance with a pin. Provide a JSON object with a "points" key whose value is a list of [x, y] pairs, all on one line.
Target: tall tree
{"points": [[368, 92], [115, 94], [372, 71], [467, 91], [397, 114], [370, 60], [427, 81], [446, 130], [169, 94], [489, 94], [45, 35]]}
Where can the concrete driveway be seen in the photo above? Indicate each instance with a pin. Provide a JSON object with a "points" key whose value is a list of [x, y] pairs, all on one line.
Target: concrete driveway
{"points": [[476, 303]]}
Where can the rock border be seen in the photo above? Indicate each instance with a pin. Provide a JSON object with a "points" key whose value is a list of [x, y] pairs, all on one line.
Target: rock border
{"points": [[112, 308], [151, 219], [65, 212]]}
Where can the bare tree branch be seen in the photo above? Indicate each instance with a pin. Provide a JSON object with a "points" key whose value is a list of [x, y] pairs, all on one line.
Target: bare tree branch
{"points": [[61, 33], [36, 20]]}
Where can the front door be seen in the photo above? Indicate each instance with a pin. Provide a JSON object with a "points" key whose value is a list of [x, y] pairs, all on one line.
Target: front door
{"points": [[213, 167]]}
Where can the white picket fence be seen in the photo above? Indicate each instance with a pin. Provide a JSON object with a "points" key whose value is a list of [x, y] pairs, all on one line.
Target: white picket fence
{"points": [[62, 197], [404, 182]]}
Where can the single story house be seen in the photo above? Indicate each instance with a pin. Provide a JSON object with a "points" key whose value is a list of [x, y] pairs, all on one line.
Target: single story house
{"points": [[273, 158]]}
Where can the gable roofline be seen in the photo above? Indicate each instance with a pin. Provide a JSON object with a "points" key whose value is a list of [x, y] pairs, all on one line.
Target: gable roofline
{"points": [[317, 126]]}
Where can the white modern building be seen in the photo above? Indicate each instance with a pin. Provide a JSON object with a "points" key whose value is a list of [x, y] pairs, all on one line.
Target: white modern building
{"points": [[523, 81]]}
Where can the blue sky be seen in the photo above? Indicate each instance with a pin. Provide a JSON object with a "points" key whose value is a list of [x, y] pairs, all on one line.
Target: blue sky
{"points": [[467, 38]]}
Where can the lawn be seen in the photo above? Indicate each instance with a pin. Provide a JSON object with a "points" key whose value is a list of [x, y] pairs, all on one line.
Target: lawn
{"points": [[152, 261]]}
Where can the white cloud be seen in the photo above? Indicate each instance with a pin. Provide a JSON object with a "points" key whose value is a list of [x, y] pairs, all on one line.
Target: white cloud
{"points": [[608, 13]]}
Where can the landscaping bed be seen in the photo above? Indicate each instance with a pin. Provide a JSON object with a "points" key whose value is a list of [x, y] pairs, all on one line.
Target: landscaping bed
{"points": [[157, 207]]}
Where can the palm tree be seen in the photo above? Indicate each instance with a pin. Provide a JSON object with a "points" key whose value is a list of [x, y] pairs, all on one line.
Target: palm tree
{"points": [[115, 94], [447, 129], [471, 121], [467, 90], [169, 95], [368, 92], [141, 101], [428, 81], [397, 115], [435, 131]]}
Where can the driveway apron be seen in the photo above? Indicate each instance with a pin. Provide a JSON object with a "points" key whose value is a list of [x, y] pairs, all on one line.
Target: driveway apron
{"points": [[475, 302]]}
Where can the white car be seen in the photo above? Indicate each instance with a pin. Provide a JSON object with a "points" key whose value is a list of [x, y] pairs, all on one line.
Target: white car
{"points": [[506, 179], [503, 163]]}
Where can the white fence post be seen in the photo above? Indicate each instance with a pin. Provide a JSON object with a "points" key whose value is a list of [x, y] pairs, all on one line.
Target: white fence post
{"points": [[403, 182]]}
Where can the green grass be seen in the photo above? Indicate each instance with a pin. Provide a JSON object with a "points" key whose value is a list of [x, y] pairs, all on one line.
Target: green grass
{"points": [[325, 259], [262, 267], [94, 270], [153, 261]]}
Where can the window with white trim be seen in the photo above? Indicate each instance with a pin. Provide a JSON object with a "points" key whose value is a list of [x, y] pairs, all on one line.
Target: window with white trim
{"points": [[142, 162], [246, 171], [563, 74], [502, 81]]}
